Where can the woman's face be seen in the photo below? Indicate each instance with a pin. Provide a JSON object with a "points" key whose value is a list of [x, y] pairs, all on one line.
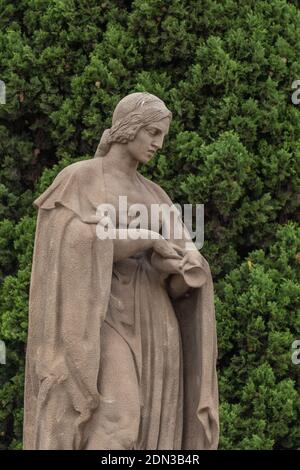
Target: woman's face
{"points": [[148, 139]]}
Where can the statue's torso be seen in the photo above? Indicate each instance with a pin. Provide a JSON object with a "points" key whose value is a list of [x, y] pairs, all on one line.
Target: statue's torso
{"points": [[125, 197]]}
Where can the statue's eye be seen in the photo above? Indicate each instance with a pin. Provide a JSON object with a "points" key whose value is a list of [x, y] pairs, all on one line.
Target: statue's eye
{"points": [[151, 131]]}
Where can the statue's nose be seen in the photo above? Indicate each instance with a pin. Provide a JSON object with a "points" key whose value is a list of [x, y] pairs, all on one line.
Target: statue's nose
{"points": [[158, 143]]}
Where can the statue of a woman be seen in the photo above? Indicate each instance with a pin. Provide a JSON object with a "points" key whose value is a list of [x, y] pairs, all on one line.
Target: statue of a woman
{"points": [[121, 349]]}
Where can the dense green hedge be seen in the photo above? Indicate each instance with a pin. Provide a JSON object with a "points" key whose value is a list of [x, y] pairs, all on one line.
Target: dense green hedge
{"points": [[225, 69]]}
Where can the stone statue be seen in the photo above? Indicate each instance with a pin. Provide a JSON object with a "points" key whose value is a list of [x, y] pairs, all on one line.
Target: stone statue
{"points": [[121, 349]]}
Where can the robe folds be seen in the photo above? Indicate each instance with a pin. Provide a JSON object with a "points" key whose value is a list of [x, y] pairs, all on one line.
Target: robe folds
{"points": [[71, 297]]}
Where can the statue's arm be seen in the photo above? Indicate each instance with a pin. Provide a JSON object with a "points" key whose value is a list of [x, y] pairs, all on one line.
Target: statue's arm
{"points": [[128, 242], [126, 247]]}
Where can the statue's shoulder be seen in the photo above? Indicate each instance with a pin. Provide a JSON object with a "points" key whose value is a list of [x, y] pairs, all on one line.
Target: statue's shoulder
{"points": [[72, 183], [90, 167]]}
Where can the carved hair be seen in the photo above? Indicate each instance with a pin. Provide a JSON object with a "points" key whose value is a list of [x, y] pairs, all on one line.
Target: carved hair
{"points": [[131, 114]]}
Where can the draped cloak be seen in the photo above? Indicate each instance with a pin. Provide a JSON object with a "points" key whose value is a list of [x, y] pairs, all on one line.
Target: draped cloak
{"points": [[69, 297]]}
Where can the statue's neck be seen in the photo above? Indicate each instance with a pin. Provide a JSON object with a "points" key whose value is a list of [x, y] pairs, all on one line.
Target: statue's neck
{"points": [[120, 166]]}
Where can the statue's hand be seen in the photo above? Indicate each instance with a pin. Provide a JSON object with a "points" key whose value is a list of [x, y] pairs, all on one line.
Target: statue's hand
{"points": [[192, 258], [166, 265], [166, 249]]}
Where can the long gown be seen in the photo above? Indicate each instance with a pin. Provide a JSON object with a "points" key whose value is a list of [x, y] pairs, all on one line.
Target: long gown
{"points": [[140, 378]]}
